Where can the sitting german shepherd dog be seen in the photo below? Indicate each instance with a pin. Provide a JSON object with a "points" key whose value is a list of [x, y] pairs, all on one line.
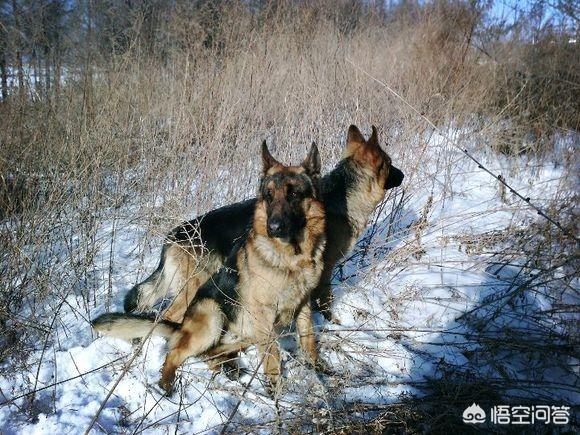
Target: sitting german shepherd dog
{"points": [[265, 283], [196, 249]]}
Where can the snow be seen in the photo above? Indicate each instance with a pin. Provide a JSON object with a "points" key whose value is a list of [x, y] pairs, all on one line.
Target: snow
{"points": [[399, 301]]}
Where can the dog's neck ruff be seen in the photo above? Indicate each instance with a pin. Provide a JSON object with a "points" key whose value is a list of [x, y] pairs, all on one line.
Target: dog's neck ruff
{"points": [[287, 255], [362, 197]]}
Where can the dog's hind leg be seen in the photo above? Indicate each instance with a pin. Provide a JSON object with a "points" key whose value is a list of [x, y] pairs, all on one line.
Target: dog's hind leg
{"points": [[190, 267], [185, 295], [143, 296], [224, 357], [170, 278], [166, 277], [200, 331]]}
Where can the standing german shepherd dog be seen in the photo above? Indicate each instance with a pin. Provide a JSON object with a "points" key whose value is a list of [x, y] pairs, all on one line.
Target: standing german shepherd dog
{"points": [[196, 249], [265, 283]]}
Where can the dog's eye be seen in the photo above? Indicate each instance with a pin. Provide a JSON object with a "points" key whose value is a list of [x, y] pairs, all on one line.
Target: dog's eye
{"points": [[293, 194], [268, 195]]}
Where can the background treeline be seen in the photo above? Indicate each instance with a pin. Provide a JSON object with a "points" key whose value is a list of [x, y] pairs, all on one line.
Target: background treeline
{"points": [[529, 48]]}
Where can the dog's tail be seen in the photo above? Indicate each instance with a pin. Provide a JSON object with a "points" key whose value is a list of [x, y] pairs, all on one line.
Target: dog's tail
{"points": [[132, 326]]}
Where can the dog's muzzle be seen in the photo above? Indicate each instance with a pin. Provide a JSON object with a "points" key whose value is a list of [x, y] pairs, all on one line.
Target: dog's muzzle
{"points": [[277, 228], [395, 178]]}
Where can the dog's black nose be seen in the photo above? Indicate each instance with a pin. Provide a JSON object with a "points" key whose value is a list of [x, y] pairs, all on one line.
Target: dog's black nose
{"points": [[395, 178], [276, 227]]}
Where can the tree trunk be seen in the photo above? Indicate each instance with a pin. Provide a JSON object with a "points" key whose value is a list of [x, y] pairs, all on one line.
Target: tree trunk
{"points": [[4, 76], [35, 72], [57, 73], [47, 80], [88, 73], [18, 42]]}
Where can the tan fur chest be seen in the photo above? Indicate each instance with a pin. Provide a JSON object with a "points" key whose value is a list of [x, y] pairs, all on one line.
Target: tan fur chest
{"points": [[274, 284]]}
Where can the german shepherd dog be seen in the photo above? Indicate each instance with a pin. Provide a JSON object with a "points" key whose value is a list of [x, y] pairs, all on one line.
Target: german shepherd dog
{"points": [[265, 283], [196, 249]]}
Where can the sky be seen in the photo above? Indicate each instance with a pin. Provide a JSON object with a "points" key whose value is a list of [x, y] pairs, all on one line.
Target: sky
{"points": [[508, 9]]}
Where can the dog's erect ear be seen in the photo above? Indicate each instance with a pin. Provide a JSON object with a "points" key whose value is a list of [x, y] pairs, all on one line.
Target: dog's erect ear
{"points": [[354, 136], [267, 160], [374, 139], [312, 161]]}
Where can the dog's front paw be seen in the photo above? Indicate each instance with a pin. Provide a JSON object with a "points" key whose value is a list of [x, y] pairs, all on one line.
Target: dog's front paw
{"points": [[232, 370], [166, 383], [271, 390], [272, 386]]}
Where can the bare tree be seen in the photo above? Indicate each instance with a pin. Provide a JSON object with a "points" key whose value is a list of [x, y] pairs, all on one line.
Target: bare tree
{"points": [[4, 48]]}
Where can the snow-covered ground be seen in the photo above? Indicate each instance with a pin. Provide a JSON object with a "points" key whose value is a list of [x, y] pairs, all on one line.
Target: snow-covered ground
{"points": [[418, 298]]}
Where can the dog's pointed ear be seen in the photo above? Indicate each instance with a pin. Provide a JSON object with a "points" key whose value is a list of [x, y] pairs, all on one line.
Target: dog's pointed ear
{"points": [[312, 161], [354, 136], [354, 139], [267, 160], [374, 139]]}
